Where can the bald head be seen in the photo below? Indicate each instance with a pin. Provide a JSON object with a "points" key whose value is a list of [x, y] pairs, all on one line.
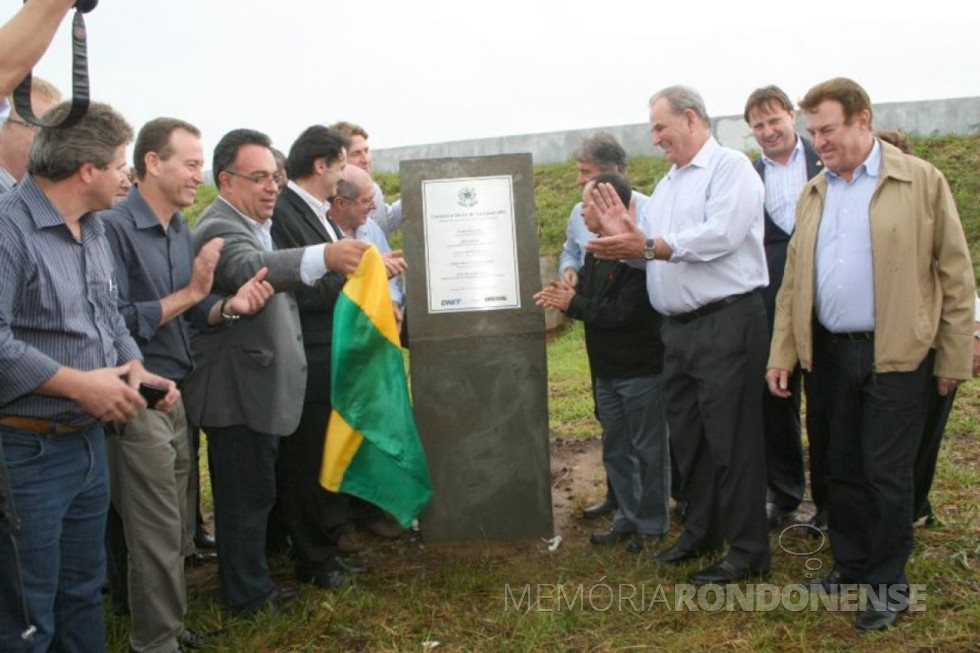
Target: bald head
{"points": [[16, 136], [354, 200]]}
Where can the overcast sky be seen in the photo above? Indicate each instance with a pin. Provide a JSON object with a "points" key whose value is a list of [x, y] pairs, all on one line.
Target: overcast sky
{"points": [[428, 71]]}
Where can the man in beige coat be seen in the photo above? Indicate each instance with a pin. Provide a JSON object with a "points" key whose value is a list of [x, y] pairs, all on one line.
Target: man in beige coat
{"points": [[878, 292]]}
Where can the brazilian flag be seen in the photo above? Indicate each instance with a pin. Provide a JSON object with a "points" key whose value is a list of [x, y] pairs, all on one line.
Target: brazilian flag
{"points": [[372, 446]]}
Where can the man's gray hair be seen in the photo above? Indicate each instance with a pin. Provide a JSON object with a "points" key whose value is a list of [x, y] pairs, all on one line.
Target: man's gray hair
{"points": [[604, 151], [348, 190], [681, 98], [58, 153]]}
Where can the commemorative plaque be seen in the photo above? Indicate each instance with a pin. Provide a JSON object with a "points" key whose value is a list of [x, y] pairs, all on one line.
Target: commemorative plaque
{"points": [[478, 363]]}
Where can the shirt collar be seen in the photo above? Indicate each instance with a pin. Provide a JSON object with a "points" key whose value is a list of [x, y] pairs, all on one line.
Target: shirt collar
{"points": [[793, 156], [703, 158], [265, 227], [42, 211], [319, 208], [143, 215], [871, 166], [6, 179]]}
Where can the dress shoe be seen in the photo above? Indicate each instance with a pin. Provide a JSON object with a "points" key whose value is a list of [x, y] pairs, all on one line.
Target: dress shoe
{"points": [[821, 521], [349, 566], [876, 618], [725, 571], [328, 580], [385, 527], [188, 639], [275, 603], [605, 507], [612, 536], [677, 554], [776, 515], [831, 583], [641, 541], [203, 540], [200, 559]]}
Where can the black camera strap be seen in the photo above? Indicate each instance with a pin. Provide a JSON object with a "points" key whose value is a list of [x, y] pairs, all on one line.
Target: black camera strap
{"points": [[79, 84]]}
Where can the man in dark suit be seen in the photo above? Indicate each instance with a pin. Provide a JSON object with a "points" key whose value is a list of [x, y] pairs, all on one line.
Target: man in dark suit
{"points": [[247, 388], [314, 517], [787, 163]]}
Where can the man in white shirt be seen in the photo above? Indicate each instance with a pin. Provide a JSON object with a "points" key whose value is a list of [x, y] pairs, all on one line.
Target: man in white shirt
{"points": [[700, 236], [787, 163]]}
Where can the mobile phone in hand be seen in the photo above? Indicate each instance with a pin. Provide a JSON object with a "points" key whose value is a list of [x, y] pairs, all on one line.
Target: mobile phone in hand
{"points": [[152, 393]]}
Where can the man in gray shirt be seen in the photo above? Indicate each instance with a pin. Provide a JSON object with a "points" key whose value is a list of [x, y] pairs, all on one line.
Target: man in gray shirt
{"points": [[69, 364]]}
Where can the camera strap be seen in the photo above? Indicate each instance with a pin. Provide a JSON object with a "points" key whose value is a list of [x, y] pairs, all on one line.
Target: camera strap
{"points": [[79, 84]]}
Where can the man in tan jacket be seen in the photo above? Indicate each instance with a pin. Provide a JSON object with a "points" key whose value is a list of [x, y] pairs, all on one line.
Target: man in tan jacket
{"points": [[878, 292]]}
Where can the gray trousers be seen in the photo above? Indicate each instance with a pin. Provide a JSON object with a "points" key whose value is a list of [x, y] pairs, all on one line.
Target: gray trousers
{"points": [[635, 451], [149, 462]]}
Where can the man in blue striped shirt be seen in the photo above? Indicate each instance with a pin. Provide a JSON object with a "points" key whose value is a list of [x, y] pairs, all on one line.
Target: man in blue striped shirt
{"points": [[67, 364]]}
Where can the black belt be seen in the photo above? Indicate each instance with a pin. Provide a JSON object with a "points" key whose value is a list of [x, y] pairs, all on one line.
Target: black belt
{"points": [[708, 309], [853, 336]]}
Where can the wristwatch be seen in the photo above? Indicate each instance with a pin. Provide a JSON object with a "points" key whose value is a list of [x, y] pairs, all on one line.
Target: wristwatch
{"points": [[649, 251], [225, 316]]}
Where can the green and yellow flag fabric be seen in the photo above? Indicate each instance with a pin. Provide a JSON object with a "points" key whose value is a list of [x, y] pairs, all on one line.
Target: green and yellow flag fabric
{"points": [[372, 450]]}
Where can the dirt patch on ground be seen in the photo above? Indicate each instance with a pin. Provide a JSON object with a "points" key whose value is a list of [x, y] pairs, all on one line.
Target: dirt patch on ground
{"points": [[578, 480]]}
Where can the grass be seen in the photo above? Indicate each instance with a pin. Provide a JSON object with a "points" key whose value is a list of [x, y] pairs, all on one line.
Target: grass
{"points": [[456, 595]]}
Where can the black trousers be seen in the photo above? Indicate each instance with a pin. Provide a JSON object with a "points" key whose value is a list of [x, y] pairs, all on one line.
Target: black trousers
{"points": [[937, 414], [315, 518], [785, 478], [876, 422], [712, 367], [243, 484]]}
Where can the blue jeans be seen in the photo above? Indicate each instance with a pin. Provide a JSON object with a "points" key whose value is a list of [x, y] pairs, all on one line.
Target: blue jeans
{"points": [[635, 451], [60, 487]]}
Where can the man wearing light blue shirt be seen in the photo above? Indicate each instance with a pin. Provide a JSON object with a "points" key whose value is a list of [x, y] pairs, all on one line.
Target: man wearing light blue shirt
{"points": [[597, 154], [701, 240], [787, 163], [879, 296]]}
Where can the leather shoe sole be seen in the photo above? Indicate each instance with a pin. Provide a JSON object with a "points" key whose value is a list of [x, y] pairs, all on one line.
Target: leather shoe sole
{"points": [[872, 619], [348, 566], [601, 509], [676, 554], [606, 538], [275, 603], [204, 541], [328, 580], [724, 572], [200, 559], [831, 583], [640, 542]]}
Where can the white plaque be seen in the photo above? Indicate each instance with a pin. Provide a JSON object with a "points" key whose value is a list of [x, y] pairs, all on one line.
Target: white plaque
{"points": [[470, 247]]}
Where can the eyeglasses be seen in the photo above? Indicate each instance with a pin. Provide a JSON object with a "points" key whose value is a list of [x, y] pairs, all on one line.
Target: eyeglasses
{"points": [[365, 201], [15, 121], [259, 178]]}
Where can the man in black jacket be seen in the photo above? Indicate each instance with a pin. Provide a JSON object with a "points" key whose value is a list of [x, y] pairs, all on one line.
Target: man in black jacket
{"points": [[787, 163], [314, 517], [622, 337]]}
